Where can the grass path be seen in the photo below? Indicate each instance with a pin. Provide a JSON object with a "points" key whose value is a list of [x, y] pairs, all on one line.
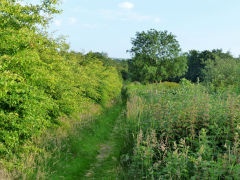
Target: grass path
{"points": [[93, 153], [106, 166]]}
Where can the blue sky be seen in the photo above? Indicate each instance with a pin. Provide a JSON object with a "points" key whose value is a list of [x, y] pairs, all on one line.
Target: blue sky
{"points": [[108, 25]]}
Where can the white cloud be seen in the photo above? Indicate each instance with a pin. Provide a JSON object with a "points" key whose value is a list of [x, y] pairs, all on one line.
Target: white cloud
{"points": [[72, 20], [126, 5], [58, 23]]}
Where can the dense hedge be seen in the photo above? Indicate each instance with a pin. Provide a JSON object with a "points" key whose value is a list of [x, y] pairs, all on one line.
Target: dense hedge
{"points": [[40, 80]]}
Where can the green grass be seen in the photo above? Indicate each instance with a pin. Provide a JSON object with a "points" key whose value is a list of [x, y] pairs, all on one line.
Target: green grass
{"points": [[81, 148], [110, 168]]}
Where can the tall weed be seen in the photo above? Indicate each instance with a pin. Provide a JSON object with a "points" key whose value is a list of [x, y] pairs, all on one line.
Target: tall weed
{"points": [[182, 132]]}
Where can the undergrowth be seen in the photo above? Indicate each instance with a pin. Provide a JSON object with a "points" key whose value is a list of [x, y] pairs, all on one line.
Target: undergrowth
{"points": [[181, 132]]}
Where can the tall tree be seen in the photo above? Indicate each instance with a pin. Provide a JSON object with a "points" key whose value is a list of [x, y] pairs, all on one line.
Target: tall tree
{"points": [[156, 57]]}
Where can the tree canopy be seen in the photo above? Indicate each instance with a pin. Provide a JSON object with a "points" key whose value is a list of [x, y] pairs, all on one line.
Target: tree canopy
{"points": [[18, 15], [156, 57], [197, 62]]}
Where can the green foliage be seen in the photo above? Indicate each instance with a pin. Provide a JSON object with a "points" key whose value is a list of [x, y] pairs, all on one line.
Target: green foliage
{"points": [[197, 62], [181, 133], [120, 64], [100, 83], [223, 73], [156, 57], [185, 82], [39, 79], [18, 16]]}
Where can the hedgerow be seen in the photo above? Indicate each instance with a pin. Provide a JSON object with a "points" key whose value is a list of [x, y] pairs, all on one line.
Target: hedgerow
{"points": [[40, 80]]}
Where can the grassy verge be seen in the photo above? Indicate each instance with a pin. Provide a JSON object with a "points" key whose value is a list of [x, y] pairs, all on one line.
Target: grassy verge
{"points": [[80, 148]]}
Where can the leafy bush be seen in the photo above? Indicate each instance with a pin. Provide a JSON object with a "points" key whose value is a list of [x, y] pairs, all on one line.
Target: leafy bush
{"points": [[223, 73], [39, 79]]}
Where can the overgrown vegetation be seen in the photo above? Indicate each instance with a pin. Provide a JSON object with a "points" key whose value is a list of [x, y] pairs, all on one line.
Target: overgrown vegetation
{"points": [[51, 98], [40, 80], [185, 130], [181, 132]]}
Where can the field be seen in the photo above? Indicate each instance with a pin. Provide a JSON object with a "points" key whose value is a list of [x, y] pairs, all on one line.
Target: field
{"points": [[181, 131]]}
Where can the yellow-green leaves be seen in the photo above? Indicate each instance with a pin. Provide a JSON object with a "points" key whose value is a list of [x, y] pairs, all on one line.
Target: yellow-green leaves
{"points": [[18, 15], [39, 79]]}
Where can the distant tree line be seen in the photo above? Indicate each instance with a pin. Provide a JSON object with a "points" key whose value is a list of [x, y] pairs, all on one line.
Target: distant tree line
{"points": [[157, 56]]}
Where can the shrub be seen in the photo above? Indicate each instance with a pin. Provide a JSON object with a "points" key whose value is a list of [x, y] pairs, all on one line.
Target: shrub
{"points": [[223, 73], [40, 82]]}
